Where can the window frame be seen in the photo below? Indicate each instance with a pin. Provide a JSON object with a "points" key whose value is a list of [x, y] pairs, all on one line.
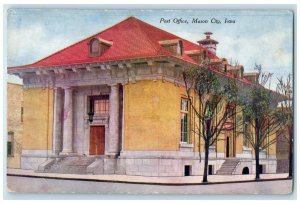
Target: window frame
{"points": [[184, 138], [90, 45], [246, 129], [10, 139], [22, 114], [104, 97]]}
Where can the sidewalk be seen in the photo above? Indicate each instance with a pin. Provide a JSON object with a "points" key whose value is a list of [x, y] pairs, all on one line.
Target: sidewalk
{"points": [[188, 180]]}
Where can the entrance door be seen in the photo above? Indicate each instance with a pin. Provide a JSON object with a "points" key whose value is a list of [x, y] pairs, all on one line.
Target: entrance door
{"points": [[227, 147], [97, 140]]}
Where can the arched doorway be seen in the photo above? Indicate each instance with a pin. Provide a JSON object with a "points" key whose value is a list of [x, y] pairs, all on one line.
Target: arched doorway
{"points": [[245, 170]]}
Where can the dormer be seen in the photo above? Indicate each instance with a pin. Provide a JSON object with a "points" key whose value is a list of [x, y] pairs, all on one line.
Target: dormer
{"points": [[97, 46], [174, 46], [236, 71], [252, 76], [197, 55]]}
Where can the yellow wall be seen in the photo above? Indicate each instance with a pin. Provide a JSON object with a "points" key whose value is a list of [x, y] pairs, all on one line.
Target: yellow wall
{"points": [[239, 130], [272, 148], [14, 123], [152, 115], [38, 119], [152, 119]]}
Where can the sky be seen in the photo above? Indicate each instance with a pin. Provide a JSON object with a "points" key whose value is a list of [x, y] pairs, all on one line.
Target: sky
{"points": [[257, 37]]}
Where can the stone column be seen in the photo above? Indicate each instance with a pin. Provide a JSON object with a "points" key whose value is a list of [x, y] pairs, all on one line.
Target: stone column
{"points": [[57, 121], [114, 106], [68, 122]]}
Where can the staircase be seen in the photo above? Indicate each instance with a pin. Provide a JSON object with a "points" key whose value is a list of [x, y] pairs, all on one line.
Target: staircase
{"points": [[70, 165], [228, 167]]}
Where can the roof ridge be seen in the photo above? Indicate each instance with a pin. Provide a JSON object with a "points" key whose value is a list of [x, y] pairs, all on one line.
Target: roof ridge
{"points": [[155, 44], [157, 48]]}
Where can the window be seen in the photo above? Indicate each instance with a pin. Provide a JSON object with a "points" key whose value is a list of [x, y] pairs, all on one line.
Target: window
{"points": [[246, 131], [10, 144], [98, 46], [22, 113], [101, 104], [94, 47], [184, 119]]}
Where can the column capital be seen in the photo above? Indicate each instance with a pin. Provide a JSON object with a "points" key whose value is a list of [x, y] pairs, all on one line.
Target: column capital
{"points": [[67, 87], [125, 82], [57, 88], [113, 84]]}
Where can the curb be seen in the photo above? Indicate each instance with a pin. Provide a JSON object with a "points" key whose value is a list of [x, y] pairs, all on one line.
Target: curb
{"points": [[147, 183]]}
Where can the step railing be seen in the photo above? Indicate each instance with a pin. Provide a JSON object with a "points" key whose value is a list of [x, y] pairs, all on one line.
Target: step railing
{"points": [[236, 167]]}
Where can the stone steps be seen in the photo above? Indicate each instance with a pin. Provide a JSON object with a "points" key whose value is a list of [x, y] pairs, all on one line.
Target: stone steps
{"points": [[228, 167], [70, 165]]}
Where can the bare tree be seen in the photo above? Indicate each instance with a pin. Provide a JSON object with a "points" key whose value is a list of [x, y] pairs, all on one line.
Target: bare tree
{"points": [[216, 98], [286, 112], [260, 108]]}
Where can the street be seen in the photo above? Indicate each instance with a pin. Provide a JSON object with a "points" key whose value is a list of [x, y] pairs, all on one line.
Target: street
{"points": [[43, 185]]}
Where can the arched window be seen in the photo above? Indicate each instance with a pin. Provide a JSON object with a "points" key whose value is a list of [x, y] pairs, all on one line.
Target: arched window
{"points": [[94, 46], [98, 46]]}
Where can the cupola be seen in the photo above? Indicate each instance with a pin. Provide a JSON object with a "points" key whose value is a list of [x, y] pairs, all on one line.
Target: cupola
{"points": [[208, 43]]}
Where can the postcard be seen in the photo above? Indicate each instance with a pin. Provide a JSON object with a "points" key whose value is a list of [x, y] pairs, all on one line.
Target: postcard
{"points": [[150, 101]]}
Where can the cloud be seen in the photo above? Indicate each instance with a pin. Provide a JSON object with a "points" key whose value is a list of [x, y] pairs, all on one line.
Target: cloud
{"points": [[270, 49], [29, 44]]}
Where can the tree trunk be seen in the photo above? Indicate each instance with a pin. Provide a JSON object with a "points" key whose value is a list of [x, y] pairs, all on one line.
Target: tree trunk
{"points": [[206, 161], [257, 173], [291, 152]]}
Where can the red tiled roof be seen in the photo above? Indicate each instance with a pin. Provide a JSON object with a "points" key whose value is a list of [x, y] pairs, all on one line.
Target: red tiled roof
{"points": [[132, 38]]}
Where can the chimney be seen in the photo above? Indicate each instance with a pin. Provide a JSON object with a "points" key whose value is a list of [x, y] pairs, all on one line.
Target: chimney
{"points": [[208, 43]]}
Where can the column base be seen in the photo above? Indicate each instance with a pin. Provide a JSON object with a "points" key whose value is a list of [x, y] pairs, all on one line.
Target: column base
{"points": [[56, 153], [111, 155], [67, 154]]}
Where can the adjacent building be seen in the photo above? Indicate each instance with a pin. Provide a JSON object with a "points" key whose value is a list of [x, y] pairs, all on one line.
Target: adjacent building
{"points": [[15, 118], [115, 103]]}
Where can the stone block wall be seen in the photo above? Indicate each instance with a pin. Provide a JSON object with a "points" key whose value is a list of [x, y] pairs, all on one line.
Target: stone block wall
{"points": [[156, 163], [243, 164], [31, 159]]}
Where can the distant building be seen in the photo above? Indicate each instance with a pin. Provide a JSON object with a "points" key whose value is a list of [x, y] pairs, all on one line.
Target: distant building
{"points": [[14, 124], [115, 103]]}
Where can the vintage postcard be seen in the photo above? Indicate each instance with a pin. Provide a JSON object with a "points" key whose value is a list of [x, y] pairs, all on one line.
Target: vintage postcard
{"points": [[150, 101]]}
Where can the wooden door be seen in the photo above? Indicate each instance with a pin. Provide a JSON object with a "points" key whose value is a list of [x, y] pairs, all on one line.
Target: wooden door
{"points": [[228, 147], [97, 140]]}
